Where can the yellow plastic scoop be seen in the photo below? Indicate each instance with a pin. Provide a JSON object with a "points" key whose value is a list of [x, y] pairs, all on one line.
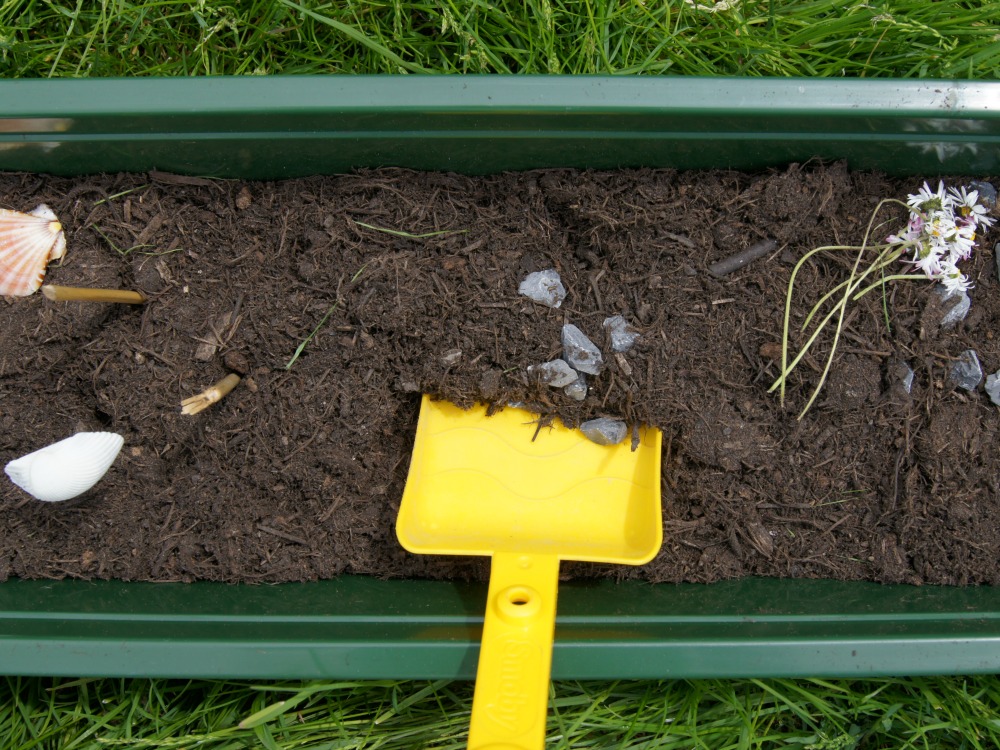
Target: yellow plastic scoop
{"points": [[483, 485]]}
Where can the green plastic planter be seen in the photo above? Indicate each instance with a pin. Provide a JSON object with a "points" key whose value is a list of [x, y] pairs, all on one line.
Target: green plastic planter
{"points": [[366, 628]]}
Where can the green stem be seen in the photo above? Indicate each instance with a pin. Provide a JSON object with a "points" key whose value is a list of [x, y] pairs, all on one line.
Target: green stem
{"points": [[788, 307], [805, 348], [848, 292], [302, 345], [878, 264], [894, 277]]}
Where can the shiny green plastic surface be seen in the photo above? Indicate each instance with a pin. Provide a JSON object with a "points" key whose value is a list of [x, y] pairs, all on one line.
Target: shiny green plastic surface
{"points": [[282, 127], [359, 627], [364, 628]]}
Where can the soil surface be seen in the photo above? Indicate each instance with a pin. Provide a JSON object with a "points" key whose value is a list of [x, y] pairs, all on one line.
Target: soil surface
{"points": [[401, 283]]}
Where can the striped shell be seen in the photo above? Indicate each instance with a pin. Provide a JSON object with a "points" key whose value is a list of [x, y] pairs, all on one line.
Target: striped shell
{"points": [[68, 468], [27, 243]]}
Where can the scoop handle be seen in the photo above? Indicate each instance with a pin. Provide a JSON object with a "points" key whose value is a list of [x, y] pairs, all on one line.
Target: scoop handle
{"points": [[511, 699]]}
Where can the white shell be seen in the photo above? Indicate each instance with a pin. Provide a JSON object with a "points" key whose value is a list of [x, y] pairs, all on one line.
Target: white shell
{"points": [[27, 243], [67, 468]]}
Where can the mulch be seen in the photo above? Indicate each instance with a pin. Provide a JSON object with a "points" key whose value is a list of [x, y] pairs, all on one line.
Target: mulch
{"points": [[400, 283]]}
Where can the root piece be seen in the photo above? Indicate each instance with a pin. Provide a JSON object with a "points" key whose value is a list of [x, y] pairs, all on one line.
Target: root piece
{"points": [[736, 262], [209, 396], [85, 294]]}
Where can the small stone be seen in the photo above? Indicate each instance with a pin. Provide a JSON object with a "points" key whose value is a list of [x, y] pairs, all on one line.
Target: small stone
{"points": [[622, 339], [993, 387], [236, 362], [451, 357], [760, 538], [577, 390], [244, 199], [956, 302], [544, 287], [604, 431], [987, 193], [489, 383], [966, 372], [205, 351], [623, 364], [580, 351], [212, 339], [902, 373], [556, 373], [770, 350]]}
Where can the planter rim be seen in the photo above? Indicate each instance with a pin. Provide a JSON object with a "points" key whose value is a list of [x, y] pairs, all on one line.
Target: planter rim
{"points": [[535, 93], [289, 126]]}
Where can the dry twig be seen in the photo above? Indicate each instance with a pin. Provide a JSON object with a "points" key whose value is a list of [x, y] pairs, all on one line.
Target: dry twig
{"points": [[209, 396], [85, 294]]}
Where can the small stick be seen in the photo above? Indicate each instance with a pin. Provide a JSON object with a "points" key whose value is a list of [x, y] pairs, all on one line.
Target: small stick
{"points": [[210, 396], [736, 262], [85, 294]]}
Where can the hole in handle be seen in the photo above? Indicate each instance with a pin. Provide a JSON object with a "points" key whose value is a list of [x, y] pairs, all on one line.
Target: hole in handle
{"points": [[518, 602]]}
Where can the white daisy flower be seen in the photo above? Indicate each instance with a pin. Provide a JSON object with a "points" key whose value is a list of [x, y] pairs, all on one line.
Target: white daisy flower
{"points": [[952, 279], [927, 257], [928, 200], [966, 206], [941, 231]]}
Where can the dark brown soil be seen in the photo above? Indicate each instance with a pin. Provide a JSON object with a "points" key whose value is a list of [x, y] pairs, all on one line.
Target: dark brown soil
{"points": [[298, 473]]}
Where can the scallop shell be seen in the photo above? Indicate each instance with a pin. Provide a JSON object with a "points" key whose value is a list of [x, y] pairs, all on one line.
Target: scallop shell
{"points": [[27, 243], [67, 468]]}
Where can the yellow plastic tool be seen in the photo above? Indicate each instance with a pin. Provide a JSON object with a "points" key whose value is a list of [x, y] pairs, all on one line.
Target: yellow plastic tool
{"points": [[483, 485]]}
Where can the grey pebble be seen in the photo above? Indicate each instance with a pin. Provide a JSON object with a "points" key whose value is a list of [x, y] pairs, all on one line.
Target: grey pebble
{"points": [[993, 387], [966, 373], [577, 390], [987, 193], [451, 357], [544, 287], [903, 374], [556, 373], [580, 351], [957, 309], [622, 339], [604, 431]]}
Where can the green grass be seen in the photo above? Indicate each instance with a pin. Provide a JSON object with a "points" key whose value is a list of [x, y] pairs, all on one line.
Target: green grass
{"points": [[938, 713], [874, 38]]}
